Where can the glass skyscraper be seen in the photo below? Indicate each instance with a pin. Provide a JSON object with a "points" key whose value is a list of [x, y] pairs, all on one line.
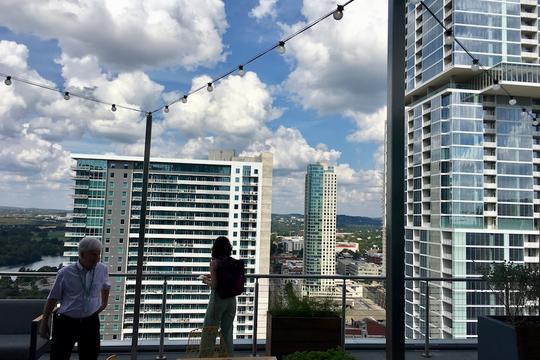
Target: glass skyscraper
{"points": [[190, 203], [472, 190], [320, 228]]}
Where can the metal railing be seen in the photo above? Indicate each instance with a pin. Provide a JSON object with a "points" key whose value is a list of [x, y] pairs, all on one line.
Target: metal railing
{"points": [[256, 294]]}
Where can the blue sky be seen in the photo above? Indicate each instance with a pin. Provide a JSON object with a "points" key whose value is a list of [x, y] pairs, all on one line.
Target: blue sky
{"points": [[323, 100]]}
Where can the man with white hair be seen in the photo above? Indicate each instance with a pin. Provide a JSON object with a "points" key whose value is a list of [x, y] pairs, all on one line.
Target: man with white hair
{"points": [[82, 289]]}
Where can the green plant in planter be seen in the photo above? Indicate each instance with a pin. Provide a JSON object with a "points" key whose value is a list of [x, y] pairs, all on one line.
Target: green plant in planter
{"points": [[516, 286], [332, 354], [295, 306]]}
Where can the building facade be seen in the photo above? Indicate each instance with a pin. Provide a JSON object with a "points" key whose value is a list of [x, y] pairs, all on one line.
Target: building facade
{"points": [[472, 191], [320, 227], [190, 203]]}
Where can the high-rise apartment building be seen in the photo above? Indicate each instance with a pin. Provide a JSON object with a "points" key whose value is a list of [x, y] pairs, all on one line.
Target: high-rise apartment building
{"points": [[472, 191], [320, 228], [190, 203]]}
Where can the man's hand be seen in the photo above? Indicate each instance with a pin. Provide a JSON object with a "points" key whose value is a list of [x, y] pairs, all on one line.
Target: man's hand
{"points": [[44, 330]]}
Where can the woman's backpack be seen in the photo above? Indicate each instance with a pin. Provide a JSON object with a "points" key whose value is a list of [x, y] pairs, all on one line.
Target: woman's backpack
{"points": [[231, 277]]}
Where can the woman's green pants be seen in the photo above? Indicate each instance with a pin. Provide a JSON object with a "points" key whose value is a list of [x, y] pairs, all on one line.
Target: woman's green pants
{"points": [[220, 313]]}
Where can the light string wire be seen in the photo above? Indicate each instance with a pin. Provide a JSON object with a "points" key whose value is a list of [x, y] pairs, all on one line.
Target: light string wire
{"points": [[475, 60], [165, 106], [254, 58], [64, 92]]}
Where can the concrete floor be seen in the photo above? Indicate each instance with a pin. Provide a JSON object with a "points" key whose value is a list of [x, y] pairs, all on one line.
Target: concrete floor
{"points": [[358, 354]]}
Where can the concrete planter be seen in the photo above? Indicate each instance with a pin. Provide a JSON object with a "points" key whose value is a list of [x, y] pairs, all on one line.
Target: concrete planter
{"points": [[285, 335], [498, 339]]}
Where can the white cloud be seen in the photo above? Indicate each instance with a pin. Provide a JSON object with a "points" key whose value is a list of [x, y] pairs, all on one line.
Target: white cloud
{"points": [[291, 150], [264, 8], [239, 107], [370, 127], [126, 34], [340, 65], [19, 101], [30, 156]]}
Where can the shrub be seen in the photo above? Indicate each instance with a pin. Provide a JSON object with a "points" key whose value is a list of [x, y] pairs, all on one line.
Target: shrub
{"points": [[332, 354], [293, 305], [516, 286]]}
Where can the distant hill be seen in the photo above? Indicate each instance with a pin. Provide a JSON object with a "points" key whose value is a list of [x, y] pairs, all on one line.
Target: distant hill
{"points": [[284, 224], [7, 210], [344, 221]]}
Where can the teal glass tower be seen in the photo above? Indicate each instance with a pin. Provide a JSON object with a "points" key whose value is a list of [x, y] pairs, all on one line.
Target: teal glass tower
{"points": [[320, 228]]}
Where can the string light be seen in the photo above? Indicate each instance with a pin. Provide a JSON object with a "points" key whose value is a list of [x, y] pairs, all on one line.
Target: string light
{"points": [[496, 85], [281, 47], [475, 65], [524, 112], [210, 88], [66, 95], [166, 109], [241, 70], [512, 101], [338, 14], [535, 121]]}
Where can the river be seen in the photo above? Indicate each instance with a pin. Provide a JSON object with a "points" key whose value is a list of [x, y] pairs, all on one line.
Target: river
{"points": [[45, 261]]}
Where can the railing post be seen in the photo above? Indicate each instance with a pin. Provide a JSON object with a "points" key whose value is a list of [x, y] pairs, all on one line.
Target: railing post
{"points": [[343, 305], [255, 317], [426, 319], [161, 356]]}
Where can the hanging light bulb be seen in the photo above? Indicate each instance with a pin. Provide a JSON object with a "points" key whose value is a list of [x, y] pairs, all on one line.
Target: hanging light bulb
{"points": [[66, 95], [338, 14], [475, 65], [8, 80], [524, 112], [184, 99], [113, 107], [496, 85], [448, 37], [512, 101], [166, 108], [281, 47], [210, 88], [241, 70], [535, 122]]}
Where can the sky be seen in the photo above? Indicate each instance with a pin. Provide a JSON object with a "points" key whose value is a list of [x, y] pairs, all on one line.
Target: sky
{"points": [[323, 100]]}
